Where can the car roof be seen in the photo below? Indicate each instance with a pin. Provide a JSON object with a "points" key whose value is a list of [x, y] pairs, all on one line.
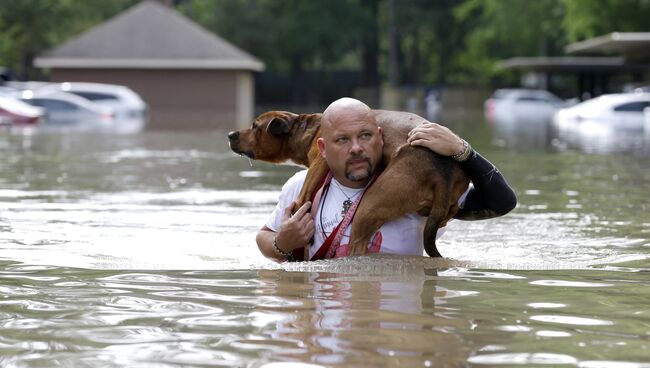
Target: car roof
{"points": [[608, 101], [64, 96], [113, 89], [503, 92]]}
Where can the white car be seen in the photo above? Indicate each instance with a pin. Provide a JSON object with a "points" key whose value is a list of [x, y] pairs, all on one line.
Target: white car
{"points": [[122, 100], [613, 112], [646, 126], [62, 107], [16, 112], [519, 105]]}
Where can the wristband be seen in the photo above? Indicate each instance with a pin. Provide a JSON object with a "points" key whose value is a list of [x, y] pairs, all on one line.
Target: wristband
{"points": [[279, 251], [464, 154]]}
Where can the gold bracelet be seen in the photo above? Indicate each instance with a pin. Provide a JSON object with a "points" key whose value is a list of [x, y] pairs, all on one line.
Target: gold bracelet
{"points": [[464, 154], [279, 251]]}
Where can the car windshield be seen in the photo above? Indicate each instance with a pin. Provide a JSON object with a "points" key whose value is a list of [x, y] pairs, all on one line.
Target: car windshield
{"points": [[636, 106], [537, 98], [95, 96], [52, 105]]}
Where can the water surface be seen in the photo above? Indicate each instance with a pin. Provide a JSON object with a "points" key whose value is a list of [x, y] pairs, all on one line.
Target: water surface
{"points": [[138, 250]]}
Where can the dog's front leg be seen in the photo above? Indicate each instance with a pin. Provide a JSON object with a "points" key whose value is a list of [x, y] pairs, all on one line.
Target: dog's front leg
{"points": [[317, 170]]}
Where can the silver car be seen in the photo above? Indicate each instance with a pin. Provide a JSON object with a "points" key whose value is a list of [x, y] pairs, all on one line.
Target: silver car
{"points": [[63, 107], [520, 106]]}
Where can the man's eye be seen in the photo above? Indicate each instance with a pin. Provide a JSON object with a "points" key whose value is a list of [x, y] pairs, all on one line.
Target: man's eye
{"points": [[341, 140], [366, 135]]}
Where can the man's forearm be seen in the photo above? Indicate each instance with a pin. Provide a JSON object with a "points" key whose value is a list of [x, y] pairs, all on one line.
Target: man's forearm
{"points": [[265, 238], [491, 195]]}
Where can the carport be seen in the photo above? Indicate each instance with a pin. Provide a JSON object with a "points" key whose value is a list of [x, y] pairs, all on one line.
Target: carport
{"points": [[593, 74]]}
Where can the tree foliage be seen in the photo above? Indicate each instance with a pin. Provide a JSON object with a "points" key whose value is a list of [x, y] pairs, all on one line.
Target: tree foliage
{"points": [[291, 34], [29, 27], [589, 18], [438, 42], [509, 28]]}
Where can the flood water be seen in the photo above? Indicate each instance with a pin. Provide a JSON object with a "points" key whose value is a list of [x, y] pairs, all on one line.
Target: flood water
{"points": [[137, 250]]}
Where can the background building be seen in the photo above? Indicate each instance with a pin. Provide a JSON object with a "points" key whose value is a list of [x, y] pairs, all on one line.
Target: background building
{"points": [[188, 76]]}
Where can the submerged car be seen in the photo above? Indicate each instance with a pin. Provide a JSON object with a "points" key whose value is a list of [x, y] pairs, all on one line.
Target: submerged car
{"points": [[62, 107], [621, 111], [123, 101], [16, 112], [519, 105]]}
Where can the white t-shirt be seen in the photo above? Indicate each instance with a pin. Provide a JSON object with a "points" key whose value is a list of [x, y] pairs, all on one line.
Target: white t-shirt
{"points": [[402, 236]]}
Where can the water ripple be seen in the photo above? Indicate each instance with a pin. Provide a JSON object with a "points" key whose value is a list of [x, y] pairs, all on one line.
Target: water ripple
{"points": [[571, 320], [612, 364], [563, 283], [522, 358]]}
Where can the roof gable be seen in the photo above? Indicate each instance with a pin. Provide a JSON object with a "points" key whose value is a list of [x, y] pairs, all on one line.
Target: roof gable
{"points": [[148, 35]]}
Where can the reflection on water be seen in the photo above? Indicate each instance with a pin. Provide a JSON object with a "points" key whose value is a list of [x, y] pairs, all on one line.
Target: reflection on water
{"points": [[390, 317], [138, 250], [589, 136]]}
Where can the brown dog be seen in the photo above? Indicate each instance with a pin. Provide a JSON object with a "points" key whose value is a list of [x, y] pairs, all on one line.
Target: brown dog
{"points": [[415, 179]]}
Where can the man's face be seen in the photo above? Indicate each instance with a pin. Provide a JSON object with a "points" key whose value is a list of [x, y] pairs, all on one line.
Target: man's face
{"points": [[352, 147]]}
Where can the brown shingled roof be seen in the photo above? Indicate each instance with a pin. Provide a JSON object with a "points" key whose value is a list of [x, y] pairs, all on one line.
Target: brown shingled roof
{"points": [[146, 36]]}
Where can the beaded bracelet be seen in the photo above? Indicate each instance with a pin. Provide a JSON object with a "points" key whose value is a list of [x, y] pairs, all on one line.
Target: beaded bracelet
{"points": [[464, 154], [279, 251]]}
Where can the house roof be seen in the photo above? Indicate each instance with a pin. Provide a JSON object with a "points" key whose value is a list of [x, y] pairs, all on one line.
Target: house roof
{"points": [[148, 35], [620, 42], [575, 65], [562, 63]]}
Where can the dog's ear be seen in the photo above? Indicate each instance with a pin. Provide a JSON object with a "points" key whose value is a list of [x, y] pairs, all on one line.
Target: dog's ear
{"points": [[278, 125]]}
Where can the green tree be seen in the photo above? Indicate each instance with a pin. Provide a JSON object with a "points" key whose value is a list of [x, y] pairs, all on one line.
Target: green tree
{"points": [[294, 36], [591, 18], [29, 27], [507, 28], [429, 36], [291, 34]]}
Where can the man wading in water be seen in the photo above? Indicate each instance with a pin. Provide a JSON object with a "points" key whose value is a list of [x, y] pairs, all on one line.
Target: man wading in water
{"points": [[351, 143]]}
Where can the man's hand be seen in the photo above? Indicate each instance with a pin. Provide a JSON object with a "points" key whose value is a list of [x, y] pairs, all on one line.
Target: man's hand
{"points": [[295, 231], [437, 138]]}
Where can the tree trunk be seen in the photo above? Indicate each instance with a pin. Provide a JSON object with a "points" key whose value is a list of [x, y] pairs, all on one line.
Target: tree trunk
{"points": [[370, 47], [393, 46]]}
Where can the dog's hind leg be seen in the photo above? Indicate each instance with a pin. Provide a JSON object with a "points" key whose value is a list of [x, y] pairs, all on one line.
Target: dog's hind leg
{"points": [[436, 217]]}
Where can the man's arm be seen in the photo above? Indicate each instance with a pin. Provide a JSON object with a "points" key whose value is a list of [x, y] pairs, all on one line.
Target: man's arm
{"points": [[491, 196], [295, 232]]}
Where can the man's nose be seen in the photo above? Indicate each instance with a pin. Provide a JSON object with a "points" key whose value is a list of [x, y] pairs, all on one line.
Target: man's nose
{"points": [[356, 147]]}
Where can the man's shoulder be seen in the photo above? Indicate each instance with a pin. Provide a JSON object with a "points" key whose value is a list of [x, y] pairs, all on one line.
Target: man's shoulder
{"points": [[296, 180]]}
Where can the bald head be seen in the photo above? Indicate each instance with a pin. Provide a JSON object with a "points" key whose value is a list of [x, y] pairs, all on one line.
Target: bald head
{"points": [[344, 110], [351, 141]]}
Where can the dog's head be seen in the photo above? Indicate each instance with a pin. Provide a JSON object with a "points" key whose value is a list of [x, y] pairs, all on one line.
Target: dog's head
{"points": [[276, 136]]}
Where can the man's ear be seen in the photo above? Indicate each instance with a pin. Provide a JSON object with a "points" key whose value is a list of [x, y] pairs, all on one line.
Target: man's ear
{"points": [[381, 135], [320, 143], [278, 126]]}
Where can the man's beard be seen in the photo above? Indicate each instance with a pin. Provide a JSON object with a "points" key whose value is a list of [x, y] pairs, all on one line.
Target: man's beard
{"points": [[367, 173], [358, 177]]}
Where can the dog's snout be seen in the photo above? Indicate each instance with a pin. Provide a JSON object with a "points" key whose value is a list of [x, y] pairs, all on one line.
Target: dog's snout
{"points": [[233, 135]]}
